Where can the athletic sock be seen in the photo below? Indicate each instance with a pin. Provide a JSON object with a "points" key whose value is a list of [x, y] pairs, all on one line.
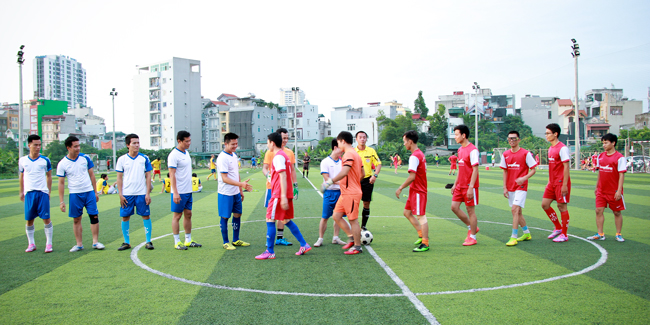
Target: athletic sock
{"points": [[270, 234], [350, 239], [420, 233], [176, 239], [617, 234], [472, 236], [365, 214], [125, 231], [357, 248], [602, 235], [565, 222], [296, 232], [188, 238], [280, 234], [147, 229], [49, 229], [224, 230], [30, 234], [514, 233], [553, 216], [469, 227], [236, 222], [425, 241], [525, 229]]}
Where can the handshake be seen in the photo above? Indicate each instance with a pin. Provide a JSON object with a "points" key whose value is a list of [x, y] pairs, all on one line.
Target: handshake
{"points": [[325, 185]]}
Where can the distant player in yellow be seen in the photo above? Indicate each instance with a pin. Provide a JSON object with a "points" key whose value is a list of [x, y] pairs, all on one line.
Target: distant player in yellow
{"points": [[166, 185], [213, 168], [196, 184], [156, 169], [103, 187]]}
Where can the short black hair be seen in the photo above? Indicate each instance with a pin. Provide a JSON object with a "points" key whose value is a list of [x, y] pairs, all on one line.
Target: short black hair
{"points": [[181, 135], [610, 137], [128, 138], [194, 175], [167, 174], [68, 142], [32, 137], [282, 130], [345, 136], [334, 144], [103, 176], [463, 130], [230, 136], [357, 134], [276, 138], [554, 128], [411, 135], [514, 132]]}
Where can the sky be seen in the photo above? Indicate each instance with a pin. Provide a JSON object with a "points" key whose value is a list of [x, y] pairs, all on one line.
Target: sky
{"points": [[339, 52]]}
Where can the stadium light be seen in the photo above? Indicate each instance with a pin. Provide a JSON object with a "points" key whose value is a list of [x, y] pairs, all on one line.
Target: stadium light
{"points": [[113, 94], [575, 54], [20, 61]]}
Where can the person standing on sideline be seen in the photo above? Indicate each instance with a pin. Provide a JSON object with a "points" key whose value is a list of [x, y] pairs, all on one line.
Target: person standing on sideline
{"points": [[436, 159], [416, 204], [305, 165], [394, 158], [452, 160], [559, 183], [518, 166], [329, 168], [78, 169], [368, 157], [213, 168], [156, 169], [133, 174], [35, 181], [465, 189], [281, 204], [254, 162], [611, 166], [230, 195], [180, 175]]}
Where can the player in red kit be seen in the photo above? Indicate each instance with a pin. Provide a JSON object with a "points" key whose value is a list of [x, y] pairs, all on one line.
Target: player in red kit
{"points": [[611, 167], [518, 166], [559, 183], [465, 189], [417, 201], [452, 160]]}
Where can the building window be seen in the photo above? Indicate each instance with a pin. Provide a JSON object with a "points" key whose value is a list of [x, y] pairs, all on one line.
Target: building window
{"points": [[616, 110], [271, 117], [258, 129], [272, 128], [351, 127], [550, 114], [258, 116]]}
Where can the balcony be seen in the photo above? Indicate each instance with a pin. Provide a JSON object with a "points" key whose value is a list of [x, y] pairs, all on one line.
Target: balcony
{"points": [[154, 83]]}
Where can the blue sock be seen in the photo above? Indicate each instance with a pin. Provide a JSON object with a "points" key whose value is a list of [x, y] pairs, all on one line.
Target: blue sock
{"points": [[524, 228], [236, 222], [147, 229], [125, 231], [224, 230], [270, 236], [296, 232], [514, 233]]}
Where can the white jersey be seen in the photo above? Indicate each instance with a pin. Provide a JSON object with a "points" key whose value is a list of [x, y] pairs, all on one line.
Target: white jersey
{"points": [[227, 163], [34, 173], [332, 168], [182, 162], [133, 173], [76, 171]]}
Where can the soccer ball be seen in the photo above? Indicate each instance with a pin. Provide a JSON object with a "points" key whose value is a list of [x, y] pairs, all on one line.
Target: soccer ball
{"points": [[366, 237]]}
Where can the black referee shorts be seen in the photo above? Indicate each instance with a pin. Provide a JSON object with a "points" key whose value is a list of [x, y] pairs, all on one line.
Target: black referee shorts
{"points": [[366, 190]]}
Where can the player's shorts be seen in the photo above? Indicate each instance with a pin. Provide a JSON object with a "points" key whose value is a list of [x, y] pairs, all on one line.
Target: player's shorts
{"points": [[330, 197], [185, 204], [229, 204], [267, 198], [305, 166], [254, 164], [349, 205], [37, 204], [213, 170], [156, 172], [366, 190], [554, 192], [275, 212], [137, 203], [604, 200], [460, 195], [517, 198], [80, 200], [453, 166], [416, 203]]}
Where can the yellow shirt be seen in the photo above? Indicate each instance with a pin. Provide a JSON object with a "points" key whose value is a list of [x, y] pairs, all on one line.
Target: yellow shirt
{"points": [[268, 159], [102, 186], [155, 164], [168, 185], [212, 166], [195, 184], [368, 157]]}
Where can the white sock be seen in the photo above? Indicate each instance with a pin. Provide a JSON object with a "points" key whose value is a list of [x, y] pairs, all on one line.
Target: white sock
{"points": [[188, 238], [513, 236], [30, 234], [49, 229], [469, 227], [176, 239], [472, 236], [335, 237], [527, 231]]}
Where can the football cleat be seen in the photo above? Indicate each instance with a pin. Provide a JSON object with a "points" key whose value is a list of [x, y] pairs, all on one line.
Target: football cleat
{"points": [[319, 242], [265, 256], [469, 231], [148, 245], [180, 246], [30, 248], [561, 238], [282, 242], [418, 242], [619, 238], [348, 245], [48, 249], [421, 248], [192, 244], [303, 250], [99, 246], [512, 242], [555, 233], [229, 247], [353, 251], [76, 248], [469, 241], [240, 243], [596, 237], [525, 237], [124, 246]]}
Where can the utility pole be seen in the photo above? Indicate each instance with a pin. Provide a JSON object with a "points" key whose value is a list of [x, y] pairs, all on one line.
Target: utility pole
{"points": [[476, 87], [20, 103], [576, 53], [296, 92], [113, 94]]}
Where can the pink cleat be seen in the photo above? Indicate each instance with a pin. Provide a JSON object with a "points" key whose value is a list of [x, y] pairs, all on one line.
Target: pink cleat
{"points": [[30, 248], [469, 241], [561, 238], [265, 256], [48, 249], [303, 250], [555, 233]]}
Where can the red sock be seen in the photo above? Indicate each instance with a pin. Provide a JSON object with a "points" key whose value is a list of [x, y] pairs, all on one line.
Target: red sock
{"points": [[565, 222], [553, 216]]}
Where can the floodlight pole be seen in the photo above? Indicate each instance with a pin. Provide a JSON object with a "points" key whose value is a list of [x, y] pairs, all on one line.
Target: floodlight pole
{"points": [[20, 103], [477, 88], [113, 94], [576, 54], [296, 91]]}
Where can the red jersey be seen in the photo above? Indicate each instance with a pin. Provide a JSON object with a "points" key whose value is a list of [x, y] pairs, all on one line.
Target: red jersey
{"points": [[418, 165], [557, 156], [609, 169], [281, 163], [351, 183], [517, 164], [453, 160], [467, 158], [594, 160]]}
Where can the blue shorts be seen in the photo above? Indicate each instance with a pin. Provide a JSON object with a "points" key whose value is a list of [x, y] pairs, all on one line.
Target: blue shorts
{"points": [[254, 164], [267, 198], [136, 202], [185, 204], [329, 202], [213, 170], [80, 200], [37, 204], [229, 204]]}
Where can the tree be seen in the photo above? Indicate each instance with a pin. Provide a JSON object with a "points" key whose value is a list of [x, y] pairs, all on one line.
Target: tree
{"points": [[393, 130], [438, 124], [420, 106], [55, 151], [514, 123]]}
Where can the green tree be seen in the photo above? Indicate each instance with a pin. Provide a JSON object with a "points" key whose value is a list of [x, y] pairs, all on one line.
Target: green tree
{"points": [[420, 106], [438, 124], [514, 123], [55, 151]]}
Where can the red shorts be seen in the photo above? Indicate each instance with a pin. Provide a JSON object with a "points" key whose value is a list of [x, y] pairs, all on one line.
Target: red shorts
{"points": [[349, 205], [453, 166], [603, 200], [554, 192], [275, 212], [417, 203], [156, 172], [460, 195]]}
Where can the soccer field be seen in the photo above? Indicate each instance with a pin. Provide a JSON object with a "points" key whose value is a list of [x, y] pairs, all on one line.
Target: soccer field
{"points": [[534, 282]]}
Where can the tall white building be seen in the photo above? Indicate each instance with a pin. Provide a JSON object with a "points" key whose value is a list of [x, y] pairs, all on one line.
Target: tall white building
{"points": [[346, 118], [290, 97], [60, 77], [167, 99]]}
